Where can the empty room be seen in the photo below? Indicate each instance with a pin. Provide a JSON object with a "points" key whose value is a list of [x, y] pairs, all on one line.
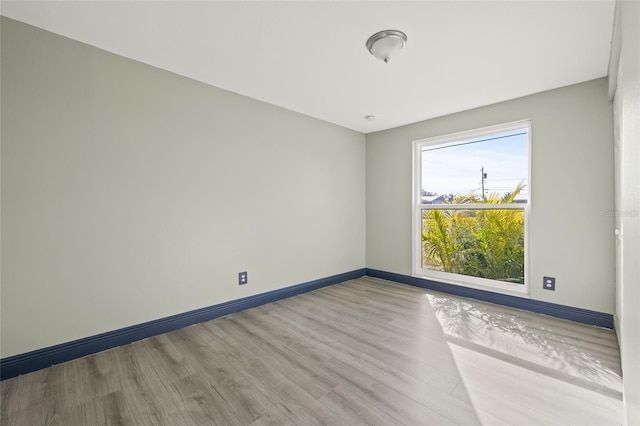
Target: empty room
{"points": [[320, 212]]}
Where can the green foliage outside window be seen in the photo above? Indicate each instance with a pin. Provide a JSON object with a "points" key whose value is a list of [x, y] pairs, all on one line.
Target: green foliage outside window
{"points": [[485, 243]]}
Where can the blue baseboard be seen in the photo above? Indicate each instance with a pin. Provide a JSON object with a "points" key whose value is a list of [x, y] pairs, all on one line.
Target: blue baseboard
{"points": [[584, 316], [41, 358]]}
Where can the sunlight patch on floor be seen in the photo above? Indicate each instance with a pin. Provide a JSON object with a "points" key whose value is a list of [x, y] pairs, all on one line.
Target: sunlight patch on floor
{"points": [[499, 389]]}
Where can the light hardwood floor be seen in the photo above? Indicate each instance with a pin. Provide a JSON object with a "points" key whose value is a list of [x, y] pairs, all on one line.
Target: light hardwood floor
{"points": [[365, 351]]}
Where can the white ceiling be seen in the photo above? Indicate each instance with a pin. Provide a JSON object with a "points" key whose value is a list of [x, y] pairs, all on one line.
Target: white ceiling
{"points": [[310, 57]]}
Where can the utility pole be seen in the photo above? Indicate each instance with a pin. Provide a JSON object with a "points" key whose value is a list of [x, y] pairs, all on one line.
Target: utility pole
{"points": [[483, 176]]}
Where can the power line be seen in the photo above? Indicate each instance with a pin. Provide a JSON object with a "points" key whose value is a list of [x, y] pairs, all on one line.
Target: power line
{"points": [[472, 142]]}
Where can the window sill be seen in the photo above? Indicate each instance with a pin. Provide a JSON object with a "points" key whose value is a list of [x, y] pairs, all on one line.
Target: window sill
{"points": [[516, 290]]}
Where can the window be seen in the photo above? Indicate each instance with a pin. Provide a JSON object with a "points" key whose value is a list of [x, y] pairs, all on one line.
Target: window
{"points": [[471, 205]]}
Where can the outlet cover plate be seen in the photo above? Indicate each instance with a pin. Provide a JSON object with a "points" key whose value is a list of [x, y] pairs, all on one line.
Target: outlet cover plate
{"points": [[549, 283], [243, 278]]}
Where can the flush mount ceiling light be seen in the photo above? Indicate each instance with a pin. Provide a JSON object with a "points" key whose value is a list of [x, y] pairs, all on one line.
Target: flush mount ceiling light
{"points": [[385, 43]]}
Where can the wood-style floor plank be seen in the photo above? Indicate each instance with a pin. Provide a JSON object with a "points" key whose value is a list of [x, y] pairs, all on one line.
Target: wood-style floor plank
{"points": [[364, 352]]}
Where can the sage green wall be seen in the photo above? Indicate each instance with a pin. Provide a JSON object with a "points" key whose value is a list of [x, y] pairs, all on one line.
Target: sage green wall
{"points": [[130, 193], [571, 224]]}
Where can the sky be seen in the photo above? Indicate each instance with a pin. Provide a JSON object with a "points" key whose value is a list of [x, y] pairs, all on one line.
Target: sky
{"points": [[454, 167]]}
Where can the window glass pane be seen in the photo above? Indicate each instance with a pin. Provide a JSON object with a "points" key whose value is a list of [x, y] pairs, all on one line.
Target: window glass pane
{"points": [[457, 172], [478, 243]]}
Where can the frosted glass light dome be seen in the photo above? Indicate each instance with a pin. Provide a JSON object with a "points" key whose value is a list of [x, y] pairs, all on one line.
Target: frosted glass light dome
{"points": [[385, 43]]}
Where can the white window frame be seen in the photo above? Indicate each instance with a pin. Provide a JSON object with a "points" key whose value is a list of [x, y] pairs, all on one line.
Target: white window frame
{"points": [[519, 290]]}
